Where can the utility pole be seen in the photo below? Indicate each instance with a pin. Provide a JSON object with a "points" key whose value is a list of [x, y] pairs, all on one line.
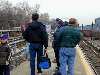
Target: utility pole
{"points": [[92, 27], [82, 26]]}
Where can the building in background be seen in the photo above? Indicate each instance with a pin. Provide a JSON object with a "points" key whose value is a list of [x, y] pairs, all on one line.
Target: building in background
{"points": [[97, 21], [97, 24]]}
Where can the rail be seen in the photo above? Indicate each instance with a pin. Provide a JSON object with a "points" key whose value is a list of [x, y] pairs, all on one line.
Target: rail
{"points": [[86, 46]]}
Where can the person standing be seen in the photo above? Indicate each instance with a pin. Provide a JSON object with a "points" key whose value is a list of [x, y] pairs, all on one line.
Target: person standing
{"points": [[26, 50], [37, 36], [55, 44], [4, 55], [68, 37]]}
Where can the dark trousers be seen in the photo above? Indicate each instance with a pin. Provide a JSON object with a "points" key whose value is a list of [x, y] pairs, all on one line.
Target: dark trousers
{"points": [[4, 70], [33, 49], [56, 50]]}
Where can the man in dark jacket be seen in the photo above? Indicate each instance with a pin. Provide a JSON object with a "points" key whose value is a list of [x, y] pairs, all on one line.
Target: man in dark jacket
{"points": [[37, 36], [55, 47], [67, 38]]}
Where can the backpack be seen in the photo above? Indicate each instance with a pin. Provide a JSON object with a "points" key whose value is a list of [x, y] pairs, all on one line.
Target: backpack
{"points": [[32, 34], [4, 54]]}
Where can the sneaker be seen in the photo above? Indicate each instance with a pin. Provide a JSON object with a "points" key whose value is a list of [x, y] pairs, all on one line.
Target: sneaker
{"points": [[57, 68], [39, 74], [39, 71], [54, 61], [57, 73]]}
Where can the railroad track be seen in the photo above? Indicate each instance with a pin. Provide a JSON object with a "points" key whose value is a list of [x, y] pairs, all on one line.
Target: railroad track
{"points": [[94, 49], [92, 55]]}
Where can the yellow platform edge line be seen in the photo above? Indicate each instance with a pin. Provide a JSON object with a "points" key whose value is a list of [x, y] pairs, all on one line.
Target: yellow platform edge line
{"points": [[85, 63]]}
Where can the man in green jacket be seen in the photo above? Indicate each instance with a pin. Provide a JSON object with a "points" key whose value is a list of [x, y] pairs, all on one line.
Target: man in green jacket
{"points": [[66, 39]]}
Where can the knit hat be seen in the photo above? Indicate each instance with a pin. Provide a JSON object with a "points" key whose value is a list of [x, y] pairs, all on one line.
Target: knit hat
{"points": [[4, 37]]}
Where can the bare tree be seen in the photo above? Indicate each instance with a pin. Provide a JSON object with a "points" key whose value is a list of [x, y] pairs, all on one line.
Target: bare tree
{"points": [[36, 8], [11, 16], [44, 18], [5, 14]]}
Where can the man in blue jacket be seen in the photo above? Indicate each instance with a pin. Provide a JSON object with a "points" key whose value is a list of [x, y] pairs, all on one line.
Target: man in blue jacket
{"points": [[37, 36], [66, 39]]}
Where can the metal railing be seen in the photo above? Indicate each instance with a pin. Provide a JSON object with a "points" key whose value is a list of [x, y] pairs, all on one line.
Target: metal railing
{"points": [[17, 55]]}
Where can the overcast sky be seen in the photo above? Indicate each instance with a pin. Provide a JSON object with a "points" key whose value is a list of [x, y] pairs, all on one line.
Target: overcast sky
{"points": [[84, 10]]}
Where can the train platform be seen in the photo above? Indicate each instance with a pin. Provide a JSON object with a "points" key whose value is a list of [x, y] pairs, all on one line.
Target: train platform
{"points": [[82, 66]]}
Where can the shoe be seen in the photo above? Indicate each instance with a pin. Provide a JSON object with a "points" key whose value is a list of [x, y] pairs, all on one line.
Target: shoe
{"points": [[39, 74], [57, 73], [39, 71], [57, 68], [54, 61]]}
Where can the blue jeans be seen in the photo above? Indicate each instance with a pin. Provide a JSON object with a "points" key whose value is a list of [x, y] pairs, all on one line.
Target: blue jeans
{"points": [[33, 49], [66, 58]]}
